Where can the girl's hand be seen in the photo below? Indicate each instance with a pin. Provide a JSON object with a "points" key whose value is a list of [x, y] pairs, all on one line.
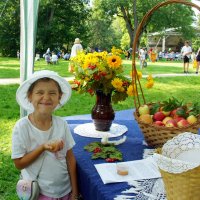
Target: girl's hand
{"points": [[54, 145], [75, 197]]}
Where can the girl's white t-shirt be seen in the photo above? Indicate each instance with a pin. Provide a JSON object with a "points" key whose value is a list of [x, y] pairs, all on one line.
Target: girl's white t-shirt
{"points": [[53, 179]]}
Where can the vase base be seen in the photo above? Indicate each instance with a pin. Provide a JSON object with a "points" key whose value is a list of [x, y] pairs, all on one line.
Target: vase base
{"points": [[102, 125]]}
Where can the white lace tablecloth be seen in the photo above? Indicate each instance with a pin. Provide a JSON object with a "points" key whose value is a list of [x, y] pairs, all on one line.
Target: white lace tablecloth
{"points": [[88, 130], [149, 189]]}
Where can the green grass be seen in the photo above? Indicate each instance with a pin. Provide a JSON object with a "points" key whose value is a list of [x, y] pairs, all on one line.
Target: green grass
{"points": [[186, 88], [10, 67]]}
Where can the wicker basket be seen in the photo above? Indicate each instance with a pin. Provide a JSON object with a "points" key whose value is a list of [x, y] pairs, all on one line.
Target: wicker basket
{"points": [[155, 136], [183, 186]]}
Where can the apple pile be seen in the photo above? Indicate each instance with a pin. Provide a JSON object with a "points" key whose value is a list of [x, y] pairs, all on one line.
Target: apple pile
{"points": [[171, 113]]}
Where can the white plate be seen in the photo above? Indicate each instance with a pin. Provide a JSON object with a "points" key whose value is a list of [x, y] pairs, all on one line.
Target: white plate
{"points": [[88, 130]]}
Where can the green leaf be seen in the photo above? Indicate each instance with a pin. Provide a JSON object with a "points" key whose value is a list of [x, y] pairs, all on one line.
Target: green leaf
{"points": [[155, 108], [92, 146], [107, 151]]}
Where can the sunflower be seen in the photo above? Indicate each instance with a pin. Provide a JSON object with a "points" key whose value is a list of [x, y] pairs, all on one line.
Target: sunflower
{"points": [[117, 83], [114, 61]]}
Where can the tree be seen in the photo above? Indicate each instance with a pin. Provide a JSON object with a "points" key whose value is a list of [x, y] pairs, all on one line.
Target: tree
{"points": [[59, 22], [103, 33], [132, 12], [9, 28]]}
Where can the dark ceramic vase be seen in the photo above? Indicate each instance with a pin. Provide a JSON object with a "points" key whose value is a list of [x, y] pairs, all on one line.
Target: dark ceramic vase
{"points": [[102, 112]]}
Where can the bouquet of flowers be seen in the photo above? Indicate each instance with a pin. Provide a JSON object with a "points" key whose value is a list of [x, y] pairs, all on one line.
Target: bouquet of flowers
{"points": [[102, 71]]}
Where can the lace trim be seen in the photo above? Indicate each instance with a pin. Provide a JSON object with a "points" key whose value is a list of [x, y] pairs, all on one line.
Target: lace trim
{"points": [[172, 165], [150, 189], [183, 142]]}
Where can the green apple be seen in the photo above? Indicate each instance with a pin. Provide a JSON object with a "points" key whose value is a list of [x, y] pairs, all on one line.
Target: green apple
{"points": [[144, 109]]}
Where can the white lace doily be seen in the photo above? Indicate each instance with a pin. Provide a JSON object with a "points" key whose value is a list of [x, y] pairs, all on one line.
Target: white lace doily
{"points": [[173, 165], [88, 130], [185, 146]]}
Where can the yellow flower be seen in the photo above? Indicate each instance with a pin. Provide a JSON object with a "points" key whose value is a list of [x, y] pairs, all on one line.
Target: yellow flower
{"points": [[117, 83], [150, 84], [138, 73], [131, 91], [150, 77], [116, 51], [114, 61]]}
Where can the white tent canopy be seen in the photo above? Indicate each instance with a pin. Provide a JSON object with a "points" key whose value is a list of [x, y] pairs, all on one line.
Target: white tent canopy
{"points": [[28, 22]]}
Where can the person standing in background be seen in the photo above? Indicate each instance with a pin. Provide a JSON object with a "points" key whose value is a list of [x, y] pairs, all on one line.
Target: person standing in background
{"points": [[48, 51], [18, 54], [186, 52], [198, 61], [142, 57], [77, 47]]}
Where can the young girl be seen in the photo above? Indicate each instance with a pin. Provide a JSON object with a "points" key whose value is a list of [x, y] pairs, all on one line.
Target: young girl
{"points": [[42, 142], [198, 61]]}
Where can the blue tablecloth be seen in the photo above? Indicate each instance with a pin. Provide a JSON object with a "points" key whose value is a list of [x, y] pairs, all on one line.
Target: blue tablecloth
{"points": [[90, 184]]}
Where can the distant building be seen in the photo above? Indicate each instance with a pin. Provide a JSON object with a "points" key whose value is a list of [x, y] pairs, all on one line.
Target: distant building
{"points": [[168, 39]]}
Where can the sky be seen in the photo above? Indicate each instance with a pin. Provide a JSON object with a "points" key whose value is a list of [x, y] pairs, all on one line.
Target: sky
{"points": [[197, 2]]}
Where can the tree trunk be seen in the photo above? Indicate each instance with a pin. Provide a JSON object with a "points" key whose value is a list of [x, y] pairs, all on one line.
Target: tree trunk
{"points": [[128, 25]]}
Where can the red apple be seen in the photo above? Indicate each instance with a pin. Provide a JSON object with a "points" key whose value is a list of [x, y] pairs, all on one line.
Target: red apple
{"points": [[173, 113], [191, 119], [144, 109], [171, 123], [158, 116], [183, 123], [177, 119], [159, 123]]}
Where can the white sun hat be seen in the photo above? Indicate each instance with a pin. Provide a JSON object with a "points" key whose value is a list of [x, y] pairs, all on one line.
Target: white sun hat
{"points": [[77, 41], [22, 91]]}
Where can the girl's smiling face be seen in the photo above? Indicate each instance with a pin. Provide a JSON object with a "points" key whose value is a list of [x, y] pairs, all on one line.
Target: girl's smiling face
{"points": [[45, 95]]}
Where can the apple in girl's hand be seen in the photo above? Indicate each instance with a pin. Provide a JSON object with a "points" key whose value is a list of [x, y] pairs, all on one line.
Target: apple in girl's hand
{"points": [[191, 119], [56, 145], [144, 109]]}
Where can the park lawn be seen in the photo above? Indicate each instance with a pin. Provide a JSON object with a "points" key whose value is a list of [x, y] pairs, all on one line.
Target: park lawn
{"points": [[10, 67], [186, 88]]}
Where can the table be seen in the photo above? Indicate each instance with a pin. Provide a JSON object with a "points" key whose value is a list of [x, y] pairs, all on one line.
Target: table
{"points": [[90, 184]]}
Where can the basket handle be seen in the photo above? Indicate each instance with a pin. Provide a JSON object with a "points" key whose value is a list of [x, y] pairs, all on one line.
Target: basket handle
{"points": [[135, 78]]}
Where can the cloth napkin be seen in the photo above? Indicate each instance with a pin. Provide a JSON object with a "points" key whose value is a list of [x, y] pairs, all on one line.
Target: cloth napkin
{"points": [[137, 170]]}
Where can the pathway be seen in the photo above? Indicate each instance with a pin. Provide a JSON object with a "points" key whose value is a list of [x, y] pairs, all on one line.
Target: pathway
{"points": [[8, 81]]}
